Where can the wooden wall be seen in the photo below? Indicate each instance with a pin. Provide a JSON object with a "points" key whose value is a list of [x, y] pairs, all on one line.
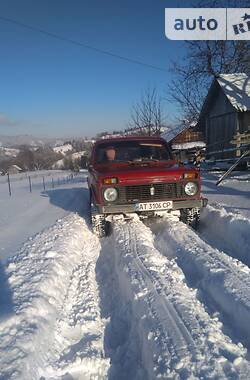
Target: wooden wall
{"points": [[221, 123], [188, 135]]}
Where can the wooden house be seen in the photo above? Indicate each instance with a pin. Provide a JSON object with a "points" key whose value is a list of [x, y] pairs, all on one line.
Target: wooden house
{"points": [[185, 141], [14, 169], [225, 113]]}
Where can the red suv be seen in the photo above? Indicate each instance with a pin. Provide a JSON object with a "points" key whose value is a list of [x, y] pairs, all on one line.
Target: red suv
{"points": [[138, 175]]}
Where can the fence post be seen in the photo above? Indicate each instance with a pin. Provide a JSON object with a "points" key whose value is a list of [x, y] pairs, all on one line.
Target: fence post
{"points": [[30, 185], [43, 184], [9, 184]]}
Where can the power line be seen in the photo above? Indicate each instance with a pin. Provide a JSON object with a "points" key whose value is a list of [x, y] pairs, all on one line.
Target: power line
{"points": [[81, 44]]}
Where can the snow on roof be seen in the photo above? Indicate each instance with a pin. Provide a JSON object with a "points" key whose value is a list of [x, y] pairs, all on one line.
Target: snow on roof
{"points": [[189, 145], [16, 167], [171, 133], [237, 89]]}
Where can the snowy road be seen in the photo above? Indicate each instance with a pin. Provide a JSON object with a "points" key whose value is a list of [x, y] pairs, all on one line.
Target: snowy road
{"points": [[152, 301]]}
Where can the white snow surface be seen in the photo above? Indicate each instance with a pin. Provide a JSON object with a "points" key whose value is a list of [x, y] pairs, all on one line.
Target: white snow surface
{"points": [[63, 149], [52, 325], [189, 145], [176, 336], [9, 152], [155, 300], [77, 155], [74, 156], [25, 214], [233, 193]]}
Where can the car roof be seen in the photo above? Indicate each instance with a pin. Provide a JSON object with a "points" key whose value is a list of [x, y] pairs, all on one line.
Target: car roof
{"points": [[112, 140]]}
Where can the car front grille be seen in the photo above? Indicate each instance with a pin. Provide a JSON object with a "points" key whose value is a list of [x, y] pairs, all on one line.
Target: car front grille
{"points": [[150, 192]]}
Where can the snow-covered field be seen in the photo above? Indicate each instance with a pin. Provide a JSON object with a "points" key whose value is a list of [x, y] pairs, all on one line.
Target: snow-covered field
{"points": [[25, 214], [155, 300]]}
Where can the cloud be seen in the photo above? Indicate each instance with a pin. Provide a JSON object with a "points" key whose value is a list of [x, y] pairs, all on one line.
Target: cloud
{"points": [[6, 121]]}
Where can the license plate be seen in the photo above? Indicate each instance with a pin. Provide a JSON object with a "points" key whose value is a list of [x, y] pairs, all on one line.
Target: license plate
{"points": [[154, 206]]}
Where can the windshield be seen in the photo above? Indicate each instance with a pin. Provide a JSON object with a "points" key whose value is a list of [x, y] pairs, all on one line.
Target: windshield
{"points": [[132, 151]]}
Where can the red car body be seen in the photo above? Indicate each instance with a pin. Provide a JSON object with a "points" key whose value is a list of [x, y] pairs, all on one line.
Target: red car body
{"points": [[136, 182]]}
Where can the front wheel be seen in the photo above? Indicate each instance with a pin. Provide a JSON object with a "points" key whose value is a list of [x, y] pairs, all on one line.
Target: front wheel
{"points": [[190, 216], [100, 226]]}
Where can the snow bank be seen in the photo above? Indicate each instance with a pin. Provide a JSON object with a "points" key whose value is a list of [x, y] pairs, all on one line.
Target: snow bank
{"points": [[232, 194], [52, 325], [228, 231]]}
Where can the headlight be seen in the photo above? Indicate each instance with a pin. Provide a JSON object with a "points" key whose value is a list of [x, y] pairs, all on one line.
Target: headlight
{"points": [[191, 188], [110, 194]]}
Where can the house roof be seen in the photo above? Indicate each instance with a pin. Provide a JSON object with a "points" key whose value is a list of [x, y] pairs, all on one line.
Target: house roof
{"points": [[16, 167], [236, 87], [171, 133]]}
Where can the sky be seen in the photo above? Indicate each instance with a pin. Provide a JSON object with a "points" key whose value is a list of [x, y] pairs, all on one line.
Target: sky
{"points": [[50, 87]]}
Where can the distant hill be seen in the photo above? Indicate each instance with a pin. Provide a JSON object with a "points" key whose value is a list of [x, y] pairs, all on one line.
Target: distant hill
{"points": [[15, 141]]}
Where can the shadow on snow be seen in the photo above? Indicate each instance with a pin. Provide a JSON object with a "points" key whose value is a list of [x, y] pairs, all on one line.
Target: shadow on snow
{"points": [[74, 199], [6, 301]]}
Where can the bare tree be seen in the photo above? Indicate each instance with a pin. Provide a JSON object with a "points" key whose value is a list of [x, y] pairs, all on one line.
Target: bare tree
{"points": [[204, 61], [71, 164], [42, 158], [147, 116], [25, 158]]}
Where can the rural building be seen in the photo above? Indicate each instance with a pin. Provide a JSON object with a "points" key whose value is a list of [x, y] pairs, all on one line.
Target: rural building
{"points": [[225, 112], [14, 169], [185, 141]]}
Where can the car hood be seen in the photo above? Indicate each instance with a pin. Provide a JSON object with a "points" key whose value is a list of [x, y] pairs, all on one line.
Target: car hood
{"points": [[145, 173]]}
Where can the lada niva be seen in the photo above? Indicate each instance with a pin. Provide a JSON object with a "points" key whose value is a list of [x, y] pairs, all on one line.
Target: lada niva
{"points": [[130, 175]]}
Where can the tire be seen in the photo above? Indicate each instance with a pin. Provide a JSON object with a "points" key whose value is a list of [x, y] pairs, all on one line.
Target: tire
{"points": [[191, 217], [100, 226]]}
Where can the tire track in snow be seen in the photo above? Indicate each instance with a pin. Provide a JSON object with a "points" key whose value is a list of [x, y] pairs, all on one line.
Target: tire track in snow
{"points": [[55, 326], [121, 336], [223, 280], [177, 338]]}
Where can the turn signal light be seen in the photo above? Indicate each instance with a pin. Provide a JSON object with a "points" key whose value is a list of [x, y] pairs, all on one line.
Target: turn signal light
{"points": [[110, 181], [190, 175]]}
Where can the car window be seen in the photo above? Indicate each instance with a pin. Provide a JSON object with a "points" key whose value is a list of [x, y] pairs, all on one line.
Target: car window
{"points": [[133, 151]]}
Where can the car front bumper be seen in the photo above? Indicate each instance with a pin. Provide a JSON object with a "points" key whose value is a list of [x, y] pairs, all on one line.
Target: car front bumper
{"points": [[128, 208]]}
